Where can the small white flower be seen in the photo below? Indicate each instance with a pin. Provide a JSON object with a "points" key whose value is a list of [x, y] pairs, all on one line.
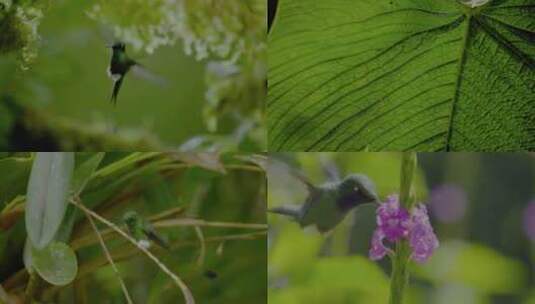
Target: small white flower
{"points": [[144, 244]]}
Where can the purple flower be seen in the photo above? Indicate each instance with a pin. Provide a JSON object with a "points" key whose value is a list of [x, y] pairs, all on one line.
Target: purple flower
{"points": [[392, 220], [395, 223], [378, 249], [422, 238], [448, 203], [529, 221]]}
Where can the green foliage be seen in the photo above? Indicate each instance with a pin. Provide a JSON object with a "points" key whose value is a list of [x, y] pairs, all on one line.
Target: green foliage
{"points": [[402, 75], [19, 21], [19, 168], [48, 188], [28, 129], [337, 280], [56, 263], [84, 172], [477, 266], [171, 190]]}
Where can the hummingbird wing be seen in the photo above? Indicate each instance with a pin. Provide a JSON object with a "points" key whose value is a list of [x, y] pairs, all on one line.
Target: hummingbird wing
{"points": [[330, 169], [152, 235], [141, 72]]}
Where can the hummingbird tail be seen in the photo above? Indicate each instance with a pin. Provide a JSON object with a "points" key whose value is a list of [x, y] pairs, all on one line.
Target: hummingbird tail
{"points": [[116, 87], [158, 240]]}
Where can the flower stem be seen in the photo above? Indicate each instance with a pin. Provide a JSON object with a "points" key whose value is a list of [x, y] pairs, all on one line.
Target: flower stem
{"points": [[400, 274], [400, 259], [408, 166]]}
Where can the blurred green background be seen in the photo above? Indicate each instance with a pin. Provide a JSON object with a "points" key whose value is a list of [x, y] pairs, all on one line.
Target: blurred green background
{"points": [[482, 207], [66, 79], [228, 189]]}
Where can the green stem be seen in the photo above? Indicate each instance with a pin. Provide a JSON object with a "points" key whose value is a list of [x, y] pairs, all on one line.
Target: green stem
{"points": [[408, 166], [400, 259], [32, 288]]}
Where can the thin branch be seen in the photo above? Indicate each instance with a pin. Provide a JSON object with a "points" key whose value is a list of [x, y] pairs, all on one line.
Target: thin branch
{"points": [[188, 297], [200, 235], [108, 256], [86, 240], [169, 213], [201, 223]]}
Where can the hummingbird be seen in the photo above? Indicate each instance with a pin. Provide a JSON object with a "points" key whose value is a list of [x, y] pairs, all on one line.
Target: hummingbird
{"points": [[328, 204], [120, 64], [143, 231]]}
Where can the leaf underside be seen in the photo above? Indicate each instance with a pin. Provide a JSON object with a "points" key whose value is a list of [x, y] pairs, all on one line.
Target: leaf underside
{"points": [[56, 263], [421, 75], [48, 188]]}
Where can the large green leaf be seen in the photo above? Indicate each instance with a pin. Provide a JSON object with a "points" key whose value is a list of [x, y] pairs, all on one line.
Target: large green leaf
{"points": [[420, 75], [46, 200]]}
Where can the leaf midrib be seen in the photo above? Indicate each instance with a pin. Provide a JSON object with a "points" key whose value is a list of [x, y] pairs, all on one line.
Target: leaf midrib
{"points": [[457, 86], [437, 28]]}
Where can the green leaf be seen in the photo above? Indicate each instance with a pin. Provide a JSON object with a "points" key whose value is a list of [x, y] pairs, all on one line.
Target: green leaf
{"points": [[353, 279], [56, 263], [123, 163], [65, 230], [421, 75], [476, 266], [84, 172], [48, 188], [13, 184]]}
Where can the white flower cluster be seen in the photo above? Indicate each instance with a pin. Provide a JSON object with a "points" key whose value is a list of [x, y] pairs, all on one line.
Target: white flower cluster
{"points": [[30, 18], [226, 29], [19, 29]]}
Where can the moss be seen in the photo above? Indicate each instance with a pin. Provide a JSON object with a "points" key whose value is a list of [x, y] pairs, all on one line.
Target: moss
{"points": [[14, 33], [35, 131]]}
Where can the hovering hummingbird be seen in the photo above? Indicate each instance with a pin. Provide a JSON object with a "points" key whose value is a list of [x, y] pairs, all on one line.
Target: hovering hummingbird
{"points": [[142, 230], [328, 204], [120, 64]]}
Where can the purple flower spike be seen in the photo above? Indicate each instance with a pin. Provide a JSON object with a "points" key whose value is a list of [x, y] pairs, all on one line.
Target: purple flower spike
{"points": [[392, 220], [395, 223], [422, 238]]}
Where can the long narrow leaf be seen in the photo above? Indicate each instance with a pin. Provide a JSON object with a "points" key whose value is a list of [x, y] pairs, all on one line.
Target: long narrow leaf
{"points": [[48, 188]]}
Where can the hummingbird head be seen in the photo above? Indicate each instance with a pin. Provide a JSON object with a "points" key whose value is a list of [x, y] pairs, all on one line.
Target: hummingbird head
{"points": [[118, 46], [130, 218], [356, 189]]}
